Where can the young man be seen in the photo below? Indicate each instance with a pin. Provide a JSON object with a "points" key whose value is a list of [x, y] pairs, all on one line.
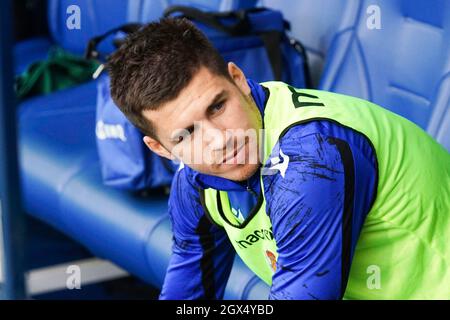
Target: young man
{"points": [[332, 197]]}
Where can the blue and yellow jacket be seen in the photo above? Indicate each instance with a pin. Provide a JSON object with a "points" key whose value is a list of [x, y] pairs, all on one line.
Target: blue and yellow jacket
{"points": [[314, 261]]}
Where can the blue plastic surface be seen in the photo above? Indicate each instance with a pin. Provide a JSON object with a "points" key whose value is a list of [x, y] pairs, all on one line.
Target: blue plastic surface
{"points": [[404, 66], [314, 23]]}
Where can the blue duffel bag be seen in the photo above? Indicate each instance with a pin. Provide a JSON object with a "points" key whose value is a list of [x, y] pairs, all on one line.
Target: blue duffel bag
{"points": [[255, 39], [126, 162]]}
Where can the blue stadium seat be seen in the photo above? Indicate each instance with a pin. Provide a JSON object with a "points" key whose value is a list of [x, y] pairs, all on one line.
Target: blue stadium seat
{"points": [[60, 172], [29, 51], [314, 23], [96, 17], [61, 185], [100, 16], [403, 66], [93, 22]]}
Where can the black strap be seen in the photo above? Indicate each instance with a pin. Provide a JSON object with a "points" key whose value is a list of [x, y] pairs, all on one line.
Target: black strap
{"points": [[302, 52], [91, 49], [272, 43], [211, 19], [271, 39]]}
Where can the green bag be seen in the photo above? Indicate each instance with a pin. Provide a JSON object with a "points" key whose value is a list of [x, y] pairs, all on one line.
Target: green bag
{"points": [[61, 70]]}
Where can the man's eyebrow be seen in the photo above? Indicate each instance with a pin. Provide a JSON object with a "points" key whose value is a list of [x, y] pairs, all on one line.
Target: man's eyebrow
{"points": [[217, 98]]}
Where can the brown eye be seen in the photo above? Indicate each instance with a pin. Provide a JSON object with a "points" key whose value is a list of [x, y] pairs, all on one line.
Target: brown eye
{"points": [[183, 136], [216, 108]]}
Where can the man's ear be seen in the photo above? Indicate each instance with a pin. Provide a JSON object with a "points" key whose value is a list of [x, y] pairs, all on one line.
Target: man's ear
{"points": [[238, 77], [157, 148]]}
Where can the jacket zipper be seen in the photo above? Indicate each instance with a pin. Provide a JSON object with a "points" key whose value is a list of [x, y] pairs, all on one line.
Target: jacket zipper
{"points": [[251, 190]]}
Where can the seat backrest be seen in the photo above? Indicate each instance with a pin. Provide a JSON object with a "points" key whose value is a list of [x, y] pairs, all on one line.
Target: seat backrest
{"points": [[153, 9], [97, 17], [396, 53], [314, 22]]}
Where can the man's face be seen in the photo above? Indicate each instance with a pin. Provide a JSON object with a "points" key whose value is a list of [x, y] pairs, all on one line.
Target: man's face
{"points": [[212, 126]]}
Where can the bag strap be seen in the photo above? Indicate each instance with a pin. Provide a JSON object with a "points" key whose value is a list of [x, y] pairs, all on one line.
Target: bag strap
{"points": [[272, 43], [91, 49], [271, 39], [211, 19], [302, 52]]}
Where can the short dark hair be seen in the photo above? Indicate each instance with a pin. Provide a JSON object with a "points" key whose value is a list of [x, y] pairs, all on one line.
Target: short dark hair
{"points": [[155, 63]]}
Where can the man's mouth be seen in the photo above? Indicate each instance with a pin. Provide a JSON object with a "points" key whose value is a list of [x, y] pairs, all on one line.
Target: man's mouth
{"points": [[232, 158]]}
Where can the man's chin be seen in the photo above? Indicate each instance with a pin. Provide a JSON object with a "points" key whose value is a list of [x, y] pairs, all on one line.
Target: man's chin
{"points": [[235, 172], [239, 172]]}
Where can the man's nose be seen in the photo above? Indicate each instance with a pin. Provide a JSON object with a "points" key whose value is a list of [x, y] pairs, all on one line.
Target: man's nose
{"points": [[213, 136]]}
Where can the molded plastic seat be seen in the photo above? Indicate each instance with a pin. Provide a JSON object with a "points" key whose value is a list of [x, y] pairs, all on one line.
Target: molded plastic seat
{"points": [[403, 66], [314, 23], [29, 51]]}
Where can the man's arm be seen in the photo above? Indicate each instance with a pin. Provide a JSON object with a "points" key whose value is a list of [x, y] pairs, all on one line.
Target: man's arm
{"points": [[202, 255], [318, 208]]}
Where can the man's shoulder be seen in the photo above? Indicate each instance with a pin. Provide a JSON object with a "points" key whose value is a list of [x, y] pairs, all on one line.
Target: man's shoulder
{"points": [[184, 175], [314, 149], [183, 187], [324, 131]]}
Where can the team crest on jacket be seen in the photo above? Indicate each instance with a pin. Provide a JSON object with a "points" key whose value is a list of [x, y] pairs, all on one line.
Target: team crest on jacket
{"points": [[272, 260]]}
